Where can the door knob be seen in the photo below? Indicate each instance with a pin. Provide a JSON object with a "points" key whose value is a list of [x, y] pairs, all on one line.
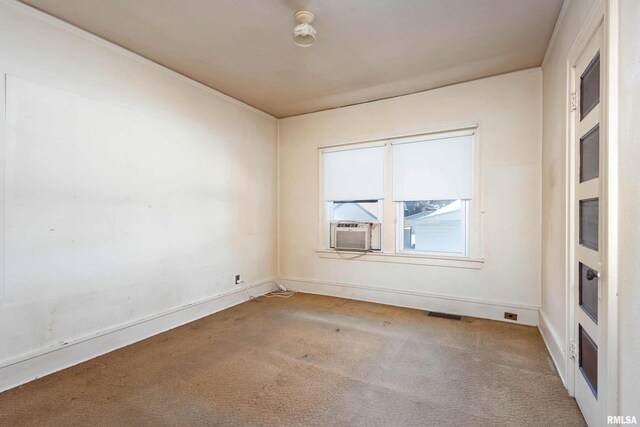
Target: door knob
{"points": [[591, 274]]}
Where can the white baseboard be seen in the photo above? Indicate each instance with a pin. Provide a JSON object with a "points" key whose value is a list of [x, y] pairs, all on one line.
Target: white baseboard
{"points": [[527, 315], [554, 346], [43, 362]]}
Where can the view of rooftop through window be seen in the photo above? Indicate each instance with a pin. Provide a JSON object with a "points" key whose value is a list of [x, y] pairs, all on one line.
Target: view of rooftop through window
{"points": [[435, 226], [355, 211]]}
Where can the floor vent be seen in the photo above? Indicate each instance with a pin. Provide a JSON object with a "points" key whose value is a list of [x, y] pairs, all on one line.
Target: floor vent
{"points": [[445, 315]]}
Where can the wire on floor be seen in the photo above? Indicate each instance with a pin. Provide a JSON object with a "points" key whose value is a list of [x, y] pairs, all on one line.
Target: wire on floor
{"points": [[281, 292]]}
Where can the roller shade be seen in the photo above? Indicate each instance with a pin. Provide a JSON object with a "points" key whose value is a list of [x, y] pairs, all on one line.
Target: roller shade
{"points": [[354, 174], [433, 169]]}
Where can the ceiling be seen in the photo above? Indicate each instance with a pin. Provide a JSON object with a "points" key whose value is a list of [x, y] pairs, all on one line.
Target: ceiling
{"points": [[365, 49]]}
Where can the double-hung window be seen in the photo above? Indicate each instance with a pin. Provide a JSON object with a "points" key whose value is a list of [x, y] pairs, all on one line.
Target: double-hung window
{"points": [[433, 189], [353, 182], [427, 180]]}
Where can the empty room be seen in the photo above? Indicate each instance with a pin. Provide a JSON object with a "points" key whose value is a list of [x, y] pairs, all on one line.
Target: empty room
{"points": [[319, 212]]}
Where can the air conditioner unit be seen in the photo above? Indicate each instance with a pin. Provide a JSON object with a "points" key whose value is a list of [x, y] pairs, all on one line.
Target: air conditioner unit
{"points": [[355, 236]]}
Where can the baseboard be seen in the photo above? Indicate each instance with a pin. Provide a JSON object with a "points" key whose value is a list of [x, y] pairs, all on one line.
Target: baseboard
{"points": [[47, 361], [527, 315], [554, 346]]}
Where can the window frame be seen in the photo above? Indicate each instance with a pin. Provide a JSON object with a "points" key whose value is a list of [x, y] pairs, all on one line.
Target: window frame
{"points": [[472, 226], [326, 213], [391, 249]]}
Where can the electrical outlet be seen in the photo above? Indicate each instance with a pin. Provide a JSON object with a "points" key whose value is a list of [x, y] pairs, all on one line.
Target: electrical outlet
{"points": [[510, 316], [237, 279]]}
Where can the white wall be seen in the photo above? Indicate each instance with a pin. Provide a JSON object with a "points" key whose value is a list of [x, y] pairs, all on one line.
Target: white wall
{"points": [[129, 191], [554, 180], [629, 208], [508, 107]]}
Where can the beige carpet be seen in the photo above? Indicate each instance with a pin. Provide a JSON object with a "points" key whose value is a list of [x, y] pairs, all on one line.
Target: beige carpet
{"points": [[309, 360]]}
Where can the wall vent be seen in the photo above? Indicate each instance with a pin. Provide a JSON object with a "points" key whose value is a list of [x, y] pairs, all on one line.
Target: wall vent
{"points": [[445, 315]]}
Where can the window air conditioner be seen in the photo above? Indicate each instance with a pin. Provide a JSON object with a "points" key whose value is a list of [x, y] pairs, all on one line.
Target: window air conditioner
{"points": [[355, 236]]}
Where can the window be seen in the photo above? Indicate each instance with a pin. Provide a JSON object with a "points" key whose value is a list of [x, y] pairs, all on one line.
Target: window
{"points": [[435, 226], [353, 185], [424, 185], [432, 184]]}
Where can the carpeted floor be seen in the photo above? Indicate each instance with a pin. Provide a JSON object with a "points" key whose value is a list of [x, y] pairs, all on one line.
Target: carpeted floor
{"points": [[309, 360]]}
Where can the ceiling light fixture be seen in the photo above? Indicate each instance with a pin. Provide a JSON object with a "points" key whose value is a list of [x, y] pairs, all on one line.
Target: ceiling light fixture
{"points": [[304, 34]]}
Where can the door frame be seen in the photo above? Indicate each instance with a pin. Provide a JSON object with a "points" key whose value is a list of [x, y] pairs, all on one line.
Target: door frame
{"points": [[605, 13]]}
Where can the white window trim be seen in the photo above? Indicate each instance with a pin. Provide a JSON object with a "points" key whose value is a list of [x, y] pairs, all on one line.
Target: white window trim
{"points": [[404, 258], [389, 212]]}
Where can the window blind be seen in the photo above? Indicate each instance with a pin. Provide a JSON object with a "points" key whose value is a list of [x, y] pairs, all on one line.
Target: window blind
{"points": [[433, 169], [353, 174]]}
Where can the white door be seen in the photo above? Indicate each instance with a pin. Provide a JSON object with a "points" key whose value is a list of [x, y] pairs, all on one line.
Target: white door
{"points": [[589, 329]]}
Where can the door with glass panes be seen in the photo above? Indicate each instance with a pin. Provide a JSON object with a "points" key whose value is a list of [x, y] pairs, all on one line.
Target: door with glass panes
{"points": [[589, 307]]}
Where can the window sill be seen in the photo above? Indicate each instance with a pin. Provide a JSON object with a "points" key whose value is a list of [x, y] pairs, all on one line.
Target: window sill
{"points": [[403, 258]]}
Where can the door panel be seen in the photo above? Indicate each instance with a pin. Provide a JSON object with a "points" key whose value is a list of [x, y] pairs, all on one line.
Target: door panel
{"points": [[588, 328]]}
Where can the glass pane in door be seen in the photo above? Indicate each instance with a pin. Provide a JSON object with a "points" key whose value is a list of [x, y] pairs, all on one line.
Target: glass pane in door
{"points": [[590, 155], [589, 223], [588, 360], [588, 298], [590, 87]]}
